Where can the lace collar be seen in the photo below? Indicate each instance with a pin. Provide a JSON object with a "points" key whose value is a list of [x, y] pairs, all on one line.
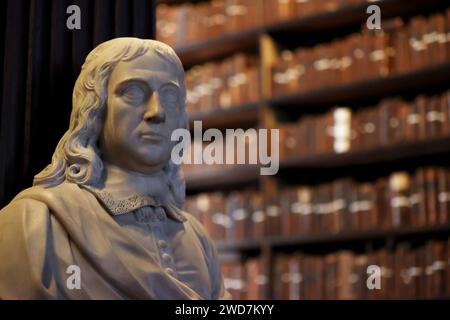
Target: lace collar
{"points": [[126, 205], [124, 192]]}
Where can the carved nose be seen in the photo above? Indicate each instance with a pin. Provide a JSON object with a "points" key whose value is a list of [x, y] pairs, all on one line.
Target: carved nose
{"points": [[154, 113]]}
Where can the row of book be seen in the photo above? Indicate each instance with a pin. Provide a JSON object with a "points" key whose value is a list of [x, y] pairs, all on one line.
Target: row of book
{"points": [[282, 10], [402, 199], [392, 121], [224, 84], [178, 25], [398, 47], [191, 22], [404, 271], [202, 150]]}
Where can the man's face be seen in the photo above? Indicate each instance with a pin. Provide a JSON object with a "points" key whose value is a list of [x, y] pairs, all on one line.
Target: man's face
{"points": [[144, 106]]}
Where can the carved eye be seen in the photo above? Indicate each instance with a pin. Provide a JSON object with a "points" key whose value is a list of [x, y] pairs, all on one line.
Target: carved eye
{"points": [[133, 94], [169, 94]]}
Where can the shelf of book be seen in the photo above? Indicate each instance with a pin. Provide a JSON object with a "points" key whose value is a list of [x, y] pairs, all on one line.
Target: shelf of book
{"points": [[233, 117], [350, 15], [248, 113], [243, 174], [221, 178], [219, 47]]}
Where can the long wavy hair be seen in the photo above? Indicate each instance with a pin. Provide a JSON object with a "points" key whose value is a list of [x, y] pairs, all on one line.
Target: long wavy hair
{"points": [[77, 156]]}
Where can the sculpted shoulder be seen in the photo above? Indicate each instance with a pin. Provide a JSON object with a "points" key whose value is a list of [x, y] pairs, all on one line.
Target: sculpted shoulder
{"points": [[38, 198], [65, 190], [26, 226], [196, 225]]}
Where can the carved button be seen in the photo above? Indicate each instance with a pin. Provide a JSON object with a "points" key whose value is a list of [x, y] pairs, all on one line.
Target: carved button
{"points": [[157, 231], [170, 271], [162, 244], [144, 215], [166, 257], [160, 214]]}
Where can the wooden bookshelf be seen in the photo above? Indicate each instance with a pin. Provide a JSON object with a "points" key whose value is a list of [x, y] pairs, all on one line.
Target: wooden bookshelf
{"points": [[268, 41], [217, 48]]}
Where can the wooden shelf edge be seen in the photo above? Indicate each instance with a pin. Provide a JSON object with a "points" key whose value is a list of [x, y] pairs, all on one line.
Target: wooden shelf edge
{"points": [[211, 178], [369, 156], [222, 118], [354, 236], [210, 49], [367, 89]]}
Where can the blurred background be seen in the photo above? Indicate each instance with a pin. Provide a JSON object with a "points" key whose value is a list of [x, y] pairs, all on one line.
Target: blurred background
{"points": [[364, 128], [363, 116]]}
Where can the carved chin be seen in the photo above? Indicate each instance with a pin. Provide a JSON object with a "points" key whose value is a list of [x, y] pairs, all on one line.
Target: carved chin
{"points": [[156, 155]]}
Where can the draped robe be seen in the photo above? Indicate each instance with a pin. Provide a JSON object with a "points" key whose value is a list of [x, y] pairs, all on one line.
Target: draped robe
{"points": [[43, 231]]}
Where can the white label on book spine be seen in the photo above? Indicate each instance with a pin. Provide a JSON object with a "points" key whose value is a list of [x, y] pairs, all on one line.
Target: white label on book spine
{"points": [[400, 201], [301, 208], [273, 211], [239, 214], [444, 196], [435, 116], [258, 216]]}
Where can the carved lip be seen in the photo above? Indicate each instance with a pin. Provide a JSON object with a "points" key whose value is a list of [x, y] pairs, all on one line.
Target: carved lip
{"points": [[151, 136]]}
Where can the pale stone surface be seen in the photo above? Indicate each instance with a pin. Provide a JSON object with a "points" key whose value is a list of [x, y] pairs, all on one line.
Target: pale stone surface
{"points": [[110, 201]]}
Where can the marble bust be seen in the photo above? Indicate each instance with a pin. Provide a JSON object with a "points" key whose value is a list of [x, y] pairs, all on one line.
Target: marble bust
{"points": [[110, 202]]}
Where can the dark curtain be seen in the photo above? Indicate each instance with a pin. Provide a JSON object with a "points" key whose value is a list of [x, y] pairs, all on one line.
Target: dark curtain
{"points": [[40, 60]]}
